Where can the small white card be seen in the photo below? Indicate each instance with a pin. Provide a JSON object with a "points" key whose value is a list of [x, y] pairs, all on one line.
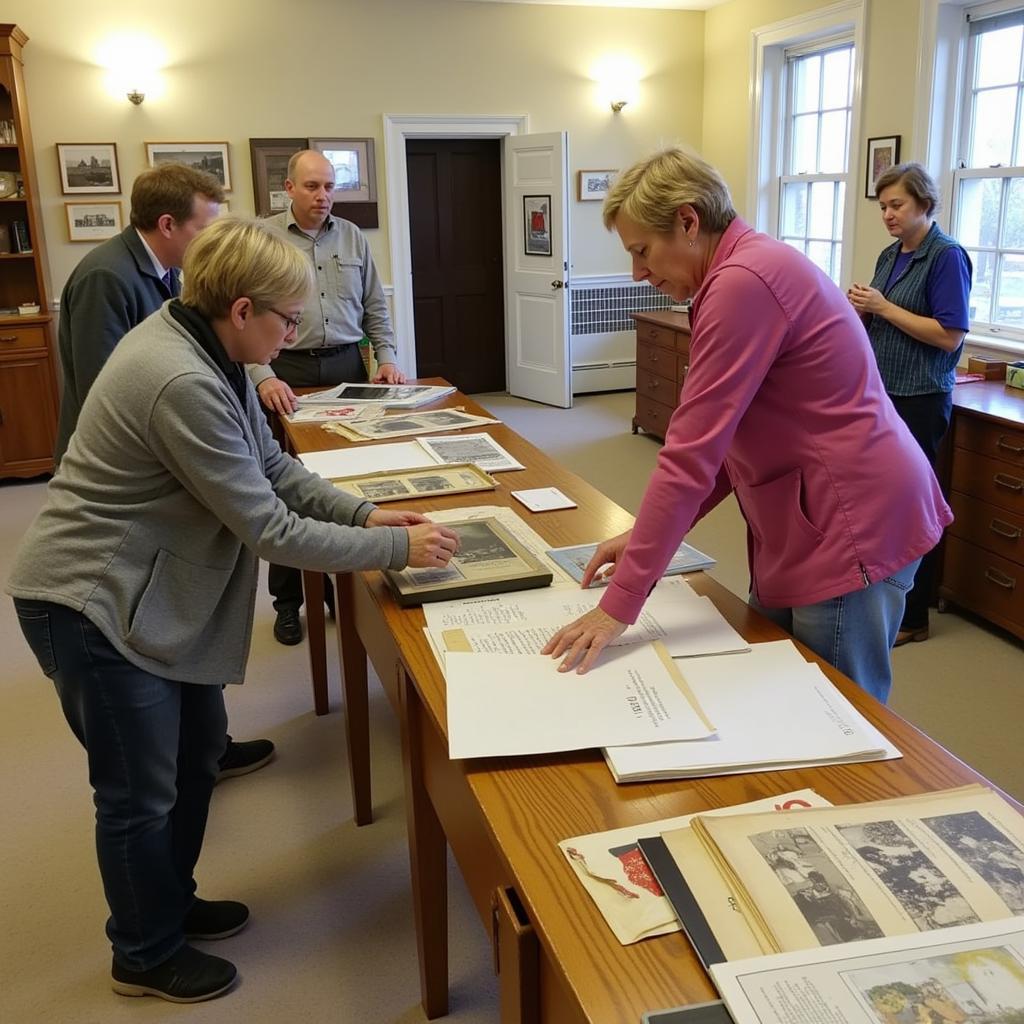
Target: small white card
{"points": [[543, 499]]}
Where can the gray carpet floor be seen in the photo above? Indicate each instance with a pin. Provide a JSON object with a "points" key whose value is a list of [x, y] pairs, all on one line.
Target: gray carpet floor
{"points": [[331, 938]]}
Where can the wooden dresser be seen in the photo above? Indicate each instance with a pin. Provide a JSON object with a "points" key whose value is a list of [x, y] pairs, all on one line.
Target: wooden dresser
{"points": [[983, 559], [662, 358]]}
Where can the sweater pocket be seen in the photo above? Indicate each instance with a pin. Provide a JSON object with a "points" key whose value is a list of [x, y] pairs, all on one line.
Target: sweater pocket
{"points": [[775, 513], [175, 608]]}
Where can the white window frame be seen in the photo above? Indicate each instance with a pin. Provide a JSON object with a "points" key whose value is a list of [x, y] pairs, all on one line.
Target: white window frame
{"points": [[769, 45]]}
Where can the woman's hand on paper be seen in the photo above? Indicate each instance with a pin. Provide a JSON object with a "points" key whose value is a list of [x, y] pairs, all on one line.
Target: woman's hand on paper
{"points": [[430, 546], [607, 555], [584, 639], [387, 517], [277, 396]]}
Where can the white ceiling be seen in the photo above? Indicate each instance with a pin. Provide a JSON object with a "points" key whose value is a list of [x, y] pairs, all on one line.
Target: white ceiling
{"points": [[663, 5]]}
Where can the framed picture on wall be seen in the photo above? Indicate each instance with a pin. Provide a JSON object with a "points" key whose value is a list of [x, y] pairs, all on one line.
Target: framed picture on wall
{"points": [[203, 156], [883, 153], [88, 167], [594, 185], [537, 225], [269, 170], [93, 221], [355, 178]]}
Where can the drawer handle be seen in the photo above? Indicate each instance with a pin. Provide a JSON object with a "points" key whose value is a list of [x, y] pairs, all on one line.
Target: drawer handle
{"points": [[8, 337], [1000, 579], [653, 357], [1014, 449], [652, 385], [1011, 483], [1007, 530]]}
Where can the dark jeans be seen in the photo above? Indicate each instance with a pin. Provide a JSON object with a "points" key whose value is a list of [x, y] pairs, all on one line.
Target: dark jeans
{"points": [[299, 370], [153, 746], [927, 417]]}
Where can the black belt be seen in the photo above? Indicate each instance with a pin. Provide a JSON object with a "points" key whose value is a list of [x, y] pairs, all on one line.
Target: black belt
{"points": [[322, 352]]}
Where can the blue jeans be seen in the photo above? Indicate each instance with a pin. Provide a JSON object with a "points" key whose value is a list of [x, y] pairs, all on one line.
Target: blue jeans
{"points": [[854, 632], [152, 745]]}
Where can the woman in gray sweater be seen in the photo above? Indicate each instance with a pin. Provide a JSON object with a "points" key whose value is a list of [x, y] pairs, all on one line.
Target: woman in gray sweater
{"points": [[136, 583]]}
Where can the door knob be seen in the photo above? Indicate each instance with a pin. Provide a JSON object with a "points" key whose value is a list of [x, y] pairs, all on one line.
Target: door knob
{"points": [[557, 284]]}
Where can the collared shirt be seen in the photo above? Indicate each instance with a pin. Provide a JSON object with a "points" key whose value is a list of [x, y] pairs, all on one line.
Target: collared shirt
{"points": [[348, 303], [158, 268]]}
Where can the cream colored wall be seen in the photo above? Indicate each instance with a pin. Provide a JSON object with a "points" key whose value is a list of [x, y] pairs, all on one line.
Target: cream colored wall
{"points": [[888, 88], [332, 67]]}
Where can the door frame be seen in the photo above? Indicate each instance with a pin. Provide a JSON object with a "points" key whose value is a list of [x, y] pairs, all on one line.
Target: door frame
{"points": [[398, 128]]}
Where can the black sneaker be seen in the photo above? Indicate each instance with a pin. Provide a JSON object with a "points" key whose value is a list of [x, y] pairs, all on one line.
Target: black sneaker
{"points": [[215, 919], [242, 758], [288, 627], [189, 976]]}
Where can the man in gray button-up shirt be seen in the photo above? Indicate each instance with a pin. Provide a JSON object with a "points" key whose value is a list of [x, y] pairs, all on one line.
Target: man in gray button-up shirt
{"points": [[347, 305]]}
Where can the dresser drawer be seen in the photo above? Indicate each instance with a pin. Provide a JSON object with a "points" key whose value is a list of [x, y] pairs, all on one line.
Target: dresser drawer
{"points": [[991, 480], [655, 359], [661, 389], [993, 439], [991, 528], [987, 584], [651, 416], [17, 339], [652, 335]]}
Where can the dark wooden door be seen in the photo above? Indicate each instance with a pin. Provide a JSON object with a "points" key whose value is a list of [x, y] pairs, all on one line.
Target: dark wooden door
{"points": [[457, 280]]}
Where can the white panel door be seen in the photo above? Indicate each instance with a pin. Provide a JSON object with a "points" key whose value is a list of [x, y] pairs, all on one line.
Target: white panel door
{"points": [[537, 262]]}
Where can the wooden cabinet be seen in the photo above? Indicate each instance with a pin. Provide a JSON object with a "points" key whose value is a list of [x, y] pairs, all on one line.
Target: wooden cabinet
{"points": [[983, 558], [662, 358], [28, 384]]}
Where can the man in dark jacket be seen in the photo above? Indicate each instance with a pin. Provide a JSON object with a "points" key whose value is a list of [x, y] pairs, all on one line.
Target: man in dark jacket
{"points": [[115, 288]]}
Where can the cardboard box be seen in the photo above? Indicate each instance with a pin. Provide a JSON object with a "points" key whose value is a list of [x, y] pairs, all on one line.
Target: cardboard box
{"points": [[993, 369], [1015, 375]]}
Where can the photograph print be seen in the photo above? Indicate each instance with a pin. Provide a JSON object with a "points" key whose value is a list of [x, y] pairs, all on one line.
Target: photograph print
{"points": [[537, 225], [479, 543], [88, 167], [355, 174], [269, 171], [93, 221], [211, 157], [382, 490], [883, 153], [594, 185]]}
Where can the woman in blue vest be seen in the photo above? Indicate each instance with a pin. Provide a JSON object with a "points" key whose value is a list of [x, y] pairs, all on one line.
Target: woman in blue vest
{"points": [[916, 314]]}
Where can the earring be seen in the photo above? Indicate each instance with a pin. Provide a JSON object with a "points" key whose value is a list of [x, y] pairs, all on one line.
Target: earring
{"points": [[690, 243]]}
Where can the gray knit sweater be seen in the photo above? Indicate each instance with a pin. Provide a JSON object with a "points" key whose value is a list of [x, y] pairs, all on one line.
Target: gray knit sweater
{"points": [[168, 495]]}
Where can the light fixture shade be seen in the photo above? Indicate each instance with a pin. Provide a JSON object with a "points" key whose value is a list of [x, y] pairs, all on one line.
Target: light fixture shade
{"points": [[136, 97], [617, 105]]}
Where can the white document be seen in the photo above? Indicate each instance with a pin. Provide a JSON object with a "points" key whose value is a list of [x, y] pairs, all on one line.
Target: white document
{"points": [[772, 708], [685, 622], [967, 974], [500, 705], [395, 396], [481, 449], [379, 458], [336, 413], [543, 499]]}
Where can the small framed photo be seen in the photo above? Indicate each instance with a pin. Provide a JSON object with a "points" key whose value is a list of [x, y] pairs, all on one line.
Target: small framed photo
{"points": [[594, 185], [93, 221], [431, 481], [537, 225], [88, 167], [203, 156], [355, 178], [270, 170], [883, 153]]}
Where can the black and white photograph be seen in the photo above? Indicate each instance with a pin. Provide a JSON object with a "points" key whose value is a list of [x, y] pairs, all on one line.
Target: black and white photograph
{"points": [[88, 167], [393, 485], [479, 543], [594, 185], [922, 890], [93, 221], [429, 484], [980, 986], [480, 449], [537, 225], [383, 490], [821, 893], [211, 157]]}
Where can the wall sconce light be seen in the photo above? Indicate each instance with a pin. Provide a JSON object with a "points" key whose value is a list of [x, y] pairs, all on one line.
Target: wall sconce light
{"points": [[617, 105], [132, 62], [617, 78], [136, 97]]}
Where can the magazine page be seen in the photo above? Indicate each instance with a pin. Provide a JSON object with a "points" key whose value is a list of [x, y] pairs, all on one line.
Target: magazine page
{"points": [[861, 871], [970, 974]]}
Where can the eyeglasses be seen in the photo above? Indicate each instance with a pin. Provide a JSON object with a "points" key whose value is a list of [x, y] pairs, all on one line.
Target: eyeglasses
{"points": [[293, 322]]}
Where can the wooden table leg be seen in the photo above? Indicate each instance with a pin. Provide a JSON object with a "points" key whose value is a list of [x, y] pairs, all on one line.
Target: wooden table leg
{"points": [[316, 636], [354, 685], [428, 856]]}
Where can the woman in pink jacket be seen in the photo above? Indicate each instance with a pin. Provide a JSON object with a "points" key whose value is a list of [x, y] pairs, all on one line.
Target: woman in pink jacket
{"points": [[783, 406]]}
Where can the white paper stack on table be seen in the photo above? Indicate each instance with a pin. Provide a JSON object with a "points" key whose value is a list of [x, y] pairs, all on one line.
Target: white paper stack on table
{"points": [[772, 709], [394, 396]]}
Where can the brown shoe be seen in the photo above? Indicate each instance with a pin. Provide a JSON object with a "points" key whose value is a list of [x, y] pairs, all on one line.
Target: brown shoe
{"points": [[911, 636]]}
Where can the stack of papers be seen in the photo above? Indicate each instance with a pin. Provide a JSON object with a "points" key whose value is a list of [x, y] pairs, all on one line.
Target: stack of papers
{"points": [[393, 396], [772, 709]]}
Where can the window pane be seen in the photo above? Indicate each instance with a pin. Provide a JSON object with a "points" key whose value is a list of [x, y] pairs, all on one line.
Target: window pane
{"points": [[807, 78], [805, 144], [794, 209], [822, 201], [992, 130], [978, 211], [837, 231], [837, 260], [836, 79], [981, 290], [1011, 292], [796, 243], [998, 56], [820, 254], [834, 134], [1013, 224]]}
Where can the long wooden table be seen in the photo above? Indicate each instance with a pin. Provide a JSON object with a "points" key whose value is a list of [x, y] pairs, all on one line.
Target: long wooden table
{"points": [[556, 958]]}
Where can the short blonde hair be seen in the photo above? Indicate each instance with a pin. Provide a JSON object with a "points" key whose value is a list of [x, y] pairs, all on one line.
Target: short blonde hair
{"points": [[235, 257], [652, 191]]}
